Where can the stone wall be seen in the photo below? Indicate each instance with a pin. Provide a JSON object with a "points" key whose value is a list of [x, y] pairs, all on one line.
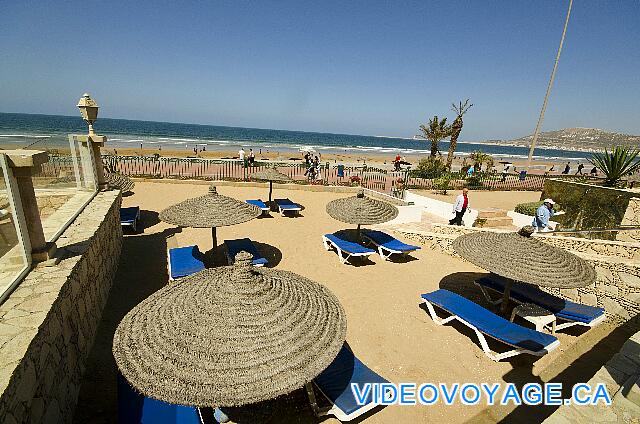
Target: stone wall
{"points": [[48, 324], [617, 264], [621, 377], [588, 206], [631, 217]]}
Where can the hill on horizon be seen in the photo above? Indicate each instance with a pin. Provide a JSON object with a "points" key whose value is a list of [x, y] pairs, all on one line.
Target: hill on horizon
{"points": [[588, 139]]}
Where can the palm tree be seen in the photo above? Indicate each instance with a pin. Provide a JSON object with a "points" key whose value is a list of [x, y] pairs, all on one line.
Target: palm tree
{"points": [[456, 128], [435, 132], [479, 157], [618, 163]]}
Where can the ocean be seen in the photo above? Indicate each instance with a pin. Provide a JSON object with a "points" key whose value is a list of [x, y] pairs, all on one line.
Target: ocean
{"points": [[23, 130]]}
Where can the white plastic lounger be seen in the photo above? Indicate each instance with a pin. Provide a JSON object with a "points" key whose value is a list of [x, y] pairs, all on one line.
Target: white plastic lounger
{"points": [[184, 261], [388, 245], [233, 247], [345, 249], [259, 203], [565, 310], [335, 385], [286, 205], [485, 322]]}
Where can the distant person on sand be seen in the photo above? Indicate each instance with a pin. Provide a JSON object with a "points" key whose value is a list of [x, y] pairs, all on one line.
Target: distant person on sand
{"points": [[594, 172], [505, 171], [552, 168], [543, 215], [396, 162], [460, 207], [567, 169], [252, 157], [242, 158], [580, 168]]}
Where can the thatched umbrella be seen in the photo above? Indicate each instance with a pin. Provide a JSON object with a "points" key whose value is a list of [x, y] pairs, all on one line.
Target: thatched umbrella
{"points": [[210, 211], [271, 174], [361, 210], [119, 182], [519, 257], [230, 336]]}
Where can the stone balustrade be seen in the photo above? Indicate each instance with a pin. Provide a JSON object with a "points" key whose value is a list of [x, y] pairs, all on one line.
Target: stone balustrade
{"points": [[48, 323]]}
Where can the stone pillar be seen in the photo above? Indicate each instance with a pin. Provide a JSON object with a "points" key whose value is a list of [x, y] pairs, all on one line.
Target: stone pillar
{"points": [[93, 143], [22, 164]]}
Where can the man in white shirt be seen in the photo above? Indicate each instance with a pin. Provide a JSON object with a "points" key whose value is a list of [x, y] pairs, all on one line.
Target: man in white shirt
{"points": [[460, 207], [242, 158]]}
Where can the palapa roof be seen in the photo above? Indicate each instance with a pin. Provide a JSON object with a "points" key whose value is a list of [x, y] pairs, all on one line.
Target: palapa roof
{"points": [[230, 336], [520, 257], [210, 210], [361, 210], [119, 182], [271, 174]]}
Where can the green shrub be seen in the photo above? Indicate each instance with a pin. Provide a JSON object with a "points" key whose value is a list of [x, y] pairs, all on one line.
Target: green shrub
{"points": [[430, 168], [529, 208], [473, 181]]}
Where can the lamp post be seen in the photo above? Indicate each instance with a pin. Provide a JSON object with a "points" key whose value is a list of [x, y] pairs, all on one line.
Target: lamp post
{"points": [[89, 111]]}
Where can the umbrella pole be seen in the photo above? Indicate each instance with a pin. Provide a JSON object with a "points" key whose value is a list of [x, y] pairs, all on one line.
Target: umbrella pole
{"points": [[215, 241], [270, 190], [358, 233], [505, 297]]}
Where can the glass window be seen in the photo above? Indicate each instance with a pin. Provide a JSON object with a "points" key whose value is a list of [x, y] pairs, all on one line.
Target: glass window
{"points": [[13, 257]]}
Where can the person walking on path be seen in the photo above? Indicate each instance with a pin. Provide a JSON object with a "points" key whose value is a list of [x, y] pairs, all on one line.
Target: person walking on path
{"points": [[580, 168], [543, 215], [460, 207], [242, 157], [567, 169]]}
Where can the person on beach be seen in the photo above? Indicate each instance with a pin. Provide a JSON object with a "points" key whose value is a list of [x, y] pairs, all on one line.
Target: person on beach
{"points": [[544, 213], [460, 207], [396, 162], [242, 158], [580, 168], [594, 172], [252, 157], [567, 169], [505, 171]]}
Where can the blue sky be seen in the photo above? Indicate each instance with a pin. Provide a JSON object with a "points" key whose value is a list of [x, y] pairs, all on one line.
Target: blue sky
{"points": [[376, 68]]}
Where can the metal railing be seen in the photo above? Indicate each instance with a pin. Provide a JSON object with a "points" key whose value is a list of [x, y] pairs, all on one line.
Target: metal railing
{"points": [[382, 180]]}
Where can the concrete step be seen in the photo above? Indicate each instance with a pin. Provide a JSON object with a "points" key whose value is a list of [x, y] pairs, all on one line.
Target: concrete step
{"points": [[492, 213], [497, 222]]}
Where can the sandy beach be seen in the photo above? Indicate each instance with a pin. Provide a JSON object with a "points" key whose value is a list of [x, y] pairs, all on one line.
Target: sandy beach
{"points": [[380, 160], [387, 328]]}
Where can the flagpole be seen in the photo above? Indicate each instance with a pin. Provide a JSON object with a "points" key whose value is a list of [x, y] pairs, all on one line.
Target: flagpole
{"points": [[536, 133]]}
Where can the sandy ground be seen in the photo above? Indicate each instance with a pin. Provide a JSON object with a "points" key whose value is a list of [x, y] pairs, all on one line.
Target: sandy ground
{"points": [[387, 328], [506, 200], [347, 158]]}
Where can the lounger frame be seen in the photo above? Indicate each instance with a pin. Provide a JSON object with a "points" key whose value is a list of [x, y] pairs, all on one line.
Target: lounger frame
{"points": [[483, 341], [564, 325], [381, 249], [333, 409], [328, 244], [296, 210]]}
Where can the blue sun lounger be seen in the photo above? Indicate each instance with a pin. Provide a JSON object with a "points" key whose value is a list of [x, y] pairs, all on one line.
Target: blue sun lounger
{"points": [[388, 245], [335, 385], [135, 408], [566, 310], [286, 205], [129, 217], [485, 322], [259, 203], [233, 247], [343, 246], [184, 261]]}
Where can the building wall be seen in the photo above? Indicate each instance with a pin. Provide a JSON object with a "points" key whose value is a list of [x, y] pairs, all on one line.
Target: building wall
{"points": [[48, 324]]}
